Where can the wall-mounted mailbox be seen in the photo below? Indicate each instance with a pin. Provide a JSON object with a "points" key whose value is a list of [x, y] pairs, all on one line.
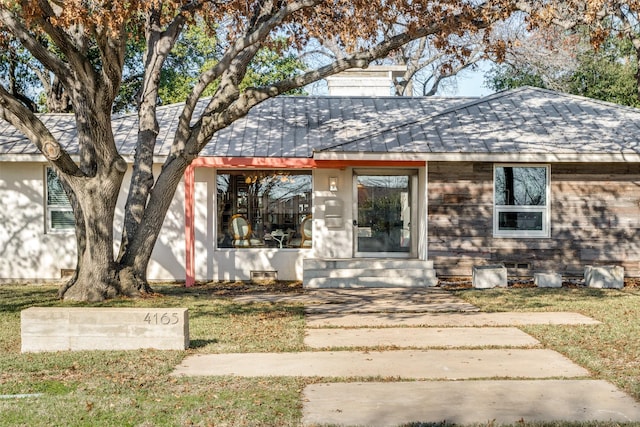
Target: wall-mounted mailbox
{"points": [[333, 217]]}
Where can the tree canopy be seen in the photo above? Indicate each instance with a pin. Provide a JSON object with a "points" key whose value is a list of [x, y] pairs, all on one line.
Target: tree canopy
{"points": [[571, 64], [590, 48]]}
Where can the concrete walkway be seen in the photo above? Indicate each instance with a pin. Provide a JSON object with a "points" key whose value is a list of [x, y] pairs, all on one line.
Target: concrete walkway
{"points": [[454, 353], [363, 300], [456, 319], [407, 364], [418, 337], [466, 402]]}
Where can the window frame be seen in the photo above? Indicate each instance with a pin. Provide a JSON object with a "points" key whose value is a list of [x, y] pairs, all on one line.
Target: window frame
{"points": [[544, 210], [50, 208], [243, 207]]}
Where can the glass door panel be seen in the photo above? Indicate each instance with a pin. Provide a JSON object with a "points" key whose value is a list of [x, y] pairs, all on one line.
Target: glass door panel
{"points": [[383, 223]]}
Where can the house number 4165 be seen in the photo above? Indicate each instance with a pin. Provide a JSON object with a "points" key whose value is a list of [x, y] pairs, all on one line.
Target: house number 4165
{"points": [[162, 318]]}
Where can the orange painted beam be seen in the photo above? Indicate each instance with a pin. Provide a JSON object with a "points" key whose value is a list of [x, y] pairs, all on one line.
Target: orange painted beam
{"points": [[255, 162], [296, 163], [341, 164]]}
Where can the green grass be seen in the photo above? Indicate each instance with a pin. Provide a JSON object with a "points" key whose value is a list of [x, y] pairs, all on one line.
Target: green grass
{"points": [[611, 350], [134, 388]]}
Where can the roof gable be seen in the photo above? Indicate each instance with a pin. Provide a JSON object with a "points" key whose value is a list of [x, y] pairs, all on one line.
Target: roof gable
{"points": [[523, 120]]}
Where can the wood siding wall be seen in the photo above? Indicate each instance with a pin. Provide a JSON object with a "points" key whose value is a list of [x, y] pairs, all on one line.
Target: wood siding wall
{"points": [[595, 220]]}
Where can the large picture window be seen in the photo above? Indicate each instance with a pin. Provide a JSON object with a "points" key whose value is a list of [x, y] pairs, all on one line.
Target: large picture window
{"points": [[59, 212], [521, 201], [262, 208]]}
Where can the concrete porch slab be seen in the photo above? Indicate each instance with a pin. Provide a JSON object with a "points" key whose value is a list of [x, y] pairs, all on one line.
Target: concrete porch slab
{"points": [[409, 364], [486, 402], [418, 337], [446, 319]]}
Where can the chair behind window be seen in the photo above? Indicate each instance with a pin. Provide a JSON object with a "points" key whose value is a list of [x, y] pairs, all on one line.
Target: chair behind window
{"points": [[241, 231], [306, 230]]}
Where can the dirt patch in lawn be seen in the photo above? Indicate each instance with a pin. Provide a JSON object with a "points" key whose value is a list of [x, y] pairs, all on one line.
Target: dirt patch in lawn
{"points": [[233, 289]]}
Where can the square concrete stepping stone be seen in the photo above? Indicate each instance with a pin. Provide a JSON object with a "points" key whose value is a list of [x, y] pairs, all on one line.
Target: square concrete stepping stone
{"points": [[418, 337], [410, 364], [466, 402], [346, 320]]}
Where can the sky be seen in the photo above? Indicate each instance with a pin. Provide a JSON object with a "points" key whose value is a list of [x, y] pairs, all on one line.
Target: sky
{"points": [[469, 83]]}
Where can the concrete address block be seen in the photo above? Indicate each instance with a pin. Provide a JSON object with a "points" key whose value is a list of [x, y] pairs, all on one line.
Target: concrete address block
{"points": [[606, 276], [97, 328], [547, 280], [489, 276]]}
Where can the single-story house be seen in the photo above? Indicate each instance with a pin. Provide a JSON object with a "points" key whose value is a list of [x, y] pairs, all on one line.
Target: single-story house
{"points": [[365, 191]]}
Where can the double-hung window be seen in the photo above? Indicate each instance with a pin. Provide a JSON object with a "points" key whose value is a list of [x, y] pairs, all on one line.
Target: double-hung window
{"points": [[58, 210], [521, 201]]}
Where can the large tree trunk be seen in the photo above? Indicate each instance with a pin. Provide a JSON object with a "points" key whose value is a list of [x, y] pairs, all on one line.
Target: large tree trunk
{"points": [[95, 278], [135, 260]]}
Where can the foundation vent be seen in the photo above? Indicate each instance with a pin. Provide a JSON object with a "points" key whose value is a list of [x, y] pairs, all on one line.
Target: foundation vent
{"points": [[517, 265], [261, 275]]}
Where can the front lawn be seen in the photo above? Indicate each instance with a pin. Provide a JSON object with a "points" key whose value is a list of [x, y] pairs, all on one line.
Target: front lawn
{"points": [[134, 388], [611, 351]]}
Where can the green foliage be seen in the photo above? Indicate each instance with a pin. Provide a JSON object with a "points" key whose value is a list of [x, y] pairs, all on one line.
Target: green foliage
{"points": [[607, 73], [16, 71], [505, 77], [196, 51], [269, 67]]}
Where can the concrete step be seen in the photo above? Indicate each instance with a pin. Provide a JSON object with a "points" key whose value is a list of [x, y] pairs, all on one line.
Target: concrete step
{"points": [[375, 263], [369, 272], [370, 282]]}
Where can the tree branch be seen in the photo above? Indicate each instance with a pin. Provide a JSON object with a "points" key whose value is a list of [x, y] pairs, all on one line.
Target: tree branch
{"points": [[256, 36], [30, 42], [16, 113]]}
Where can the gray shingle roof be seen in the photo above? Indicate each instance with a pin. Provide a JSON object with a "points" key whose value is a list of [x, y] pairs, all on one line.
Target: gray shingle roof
{"points": [[297, 126], [524, 120], [279, 127]]}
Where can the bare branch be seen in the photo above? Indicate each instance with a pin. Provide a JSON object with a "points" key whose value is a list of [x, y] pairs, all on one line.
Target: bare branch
{"points": [[29, 41], [28, 123]]}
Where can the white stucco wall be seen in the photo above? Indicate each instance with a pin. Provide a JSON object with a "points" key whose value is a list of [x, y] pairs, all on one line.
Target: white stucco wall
{"points": [[26, 251], [29, 253], [333, 242], [168, 257]]}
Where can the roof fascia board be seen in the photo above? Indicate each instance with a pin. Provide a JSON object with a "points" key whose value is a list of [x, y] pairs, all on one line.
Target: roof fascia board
{"points": [[485, 157], [26, 158], [385, 157]]}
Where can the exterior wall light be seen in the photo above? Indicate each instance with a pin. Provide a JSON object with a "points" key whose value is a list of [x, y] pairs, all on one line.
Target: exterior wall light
{"points": [[333, 183]]}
